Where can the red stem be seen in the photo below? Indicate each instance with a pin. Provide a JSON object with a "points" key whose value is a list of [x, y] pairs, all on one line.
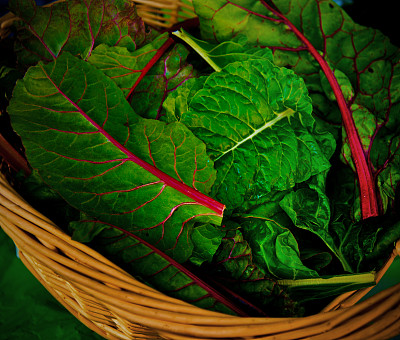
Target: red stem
{"points": [[150, 64], [369, 203], [12, 157]]}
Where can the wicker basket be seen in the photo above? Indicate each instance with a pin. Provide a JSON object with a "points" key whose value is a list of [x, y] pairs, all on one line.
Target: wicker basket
{"points": [[117, 306]]}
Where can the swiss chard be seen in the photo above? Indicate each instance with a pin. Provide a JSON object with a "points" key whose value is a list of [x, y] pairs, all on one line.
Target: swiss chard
{"points": [[151, 149], [317, 38], [235, 257]]}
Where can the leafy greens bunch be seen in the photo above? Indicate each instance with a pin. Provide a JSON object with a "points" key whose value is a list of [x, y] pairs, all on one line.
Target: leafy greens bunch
{"points": [[260, 179]]}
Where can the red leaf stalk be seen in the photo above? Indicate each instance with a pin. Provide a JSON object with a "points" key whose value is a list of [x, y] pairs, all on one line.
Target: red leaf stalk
{"points": [[368, 197], [147, 68], [12, 157]]}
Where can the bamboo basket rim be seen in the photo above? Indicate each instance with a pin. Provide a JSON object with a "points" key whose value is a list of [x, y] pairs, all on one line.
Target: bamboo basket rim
{"points": [[115, 305]]}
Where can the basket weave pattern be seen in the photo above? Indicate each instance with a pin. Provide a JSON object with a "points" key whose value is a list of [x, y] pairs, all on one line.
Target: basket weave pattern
{"points": [[117, 306]]}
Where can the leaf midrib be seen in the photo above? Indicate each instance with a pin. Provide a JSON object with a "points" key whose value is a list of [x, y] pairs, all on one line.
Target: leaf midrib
{"points": [[288, 112]]}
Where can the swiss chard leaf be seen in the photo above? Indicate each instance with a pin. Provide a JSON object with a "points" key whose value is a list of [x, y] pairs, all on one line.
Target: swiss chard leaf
{"points": [[86, 142], [206, 240], [255, 119], [151, 265], [126, 68], [8, 78], [275, 249], [309, 209], [178, 101], [75, 26]]}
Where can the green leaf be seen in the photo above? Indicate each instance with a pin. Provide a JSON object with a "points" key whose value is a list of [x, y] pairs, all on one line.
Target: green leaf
{"points": [[315, 258], [365, 245], [177, 102], [8, 78], [235, 267], [85, 141], [275, 249], [319, 41], [309, 209], [168, 74], [255, 119], [75, 26], [344, 83], [206, 239]]}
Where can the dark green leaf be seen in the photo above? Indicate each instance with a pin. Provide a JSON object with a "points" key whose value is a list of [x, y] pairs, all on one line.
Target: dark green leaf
{"points": [[275, 249], [125, 68]]}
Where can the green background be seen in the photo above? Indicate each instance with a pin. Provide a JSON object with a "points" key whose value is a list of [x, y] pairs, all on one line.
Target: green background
{"points": [[28, 311]]}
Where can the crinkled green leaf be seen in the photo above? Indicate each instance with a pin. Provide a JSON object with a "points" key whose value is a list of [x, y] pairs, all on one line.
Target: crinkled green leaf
{"points": [[255, 119], [275, 249], [366, 244], [76, 26], [206, 239], [177, 102], [242, 274], [85, 141], [321, 43], [309, 209]]}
